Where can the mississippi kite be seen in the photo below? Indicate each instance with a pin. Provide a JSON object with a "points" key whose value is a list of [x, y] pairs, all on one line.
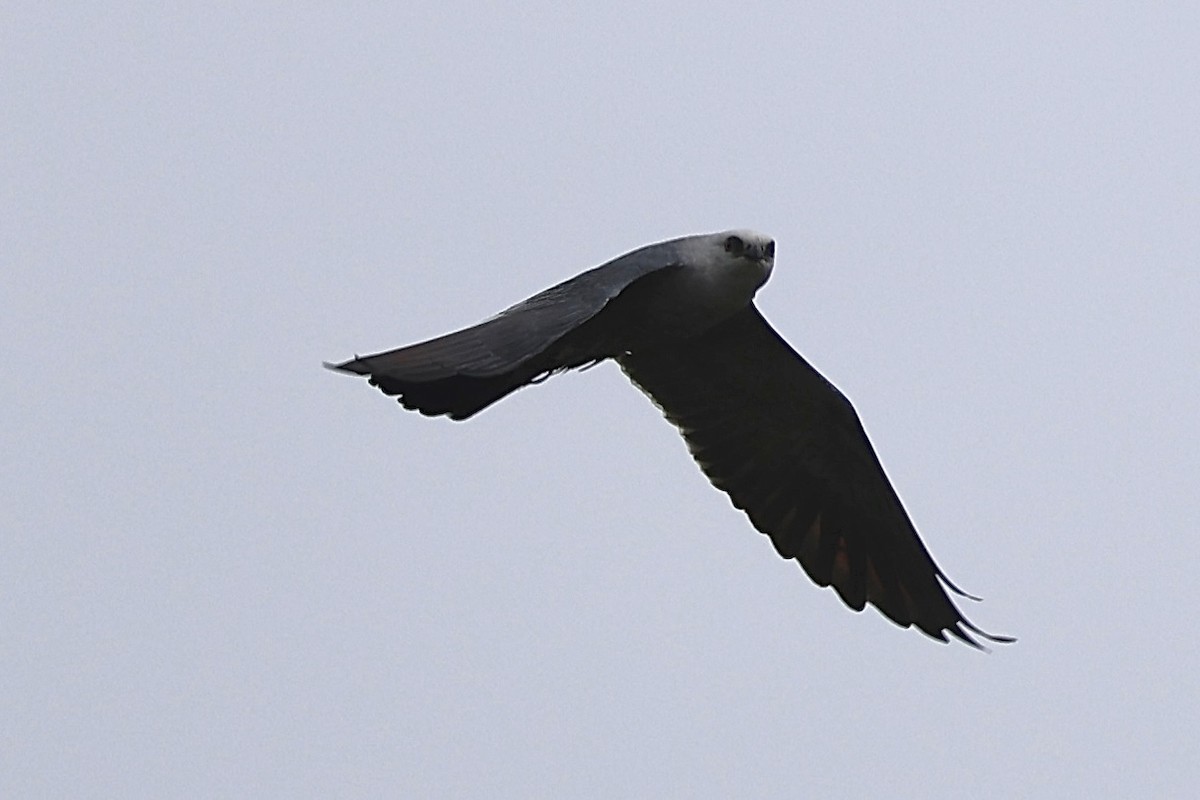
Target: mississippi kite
{"points": [[764, 426]]}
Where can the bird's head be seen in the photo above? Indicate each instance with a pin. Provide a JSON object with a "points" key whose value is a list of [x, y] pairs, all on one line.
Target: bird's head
{"points": [[747, 254], [749, 245], [718, 275]]}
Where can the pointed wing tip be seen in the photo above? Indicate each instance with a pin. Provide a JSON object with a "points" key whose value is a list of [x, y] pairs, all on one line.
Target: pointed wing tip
{"points": [[965, 636], [962, 629], [952, 587], [354, 366]]}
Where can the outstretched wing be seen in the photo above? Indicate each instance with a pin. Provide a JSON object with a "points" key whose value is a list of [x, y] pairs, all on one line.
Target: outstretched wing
{"points": [[569, 325], [788, 448]]}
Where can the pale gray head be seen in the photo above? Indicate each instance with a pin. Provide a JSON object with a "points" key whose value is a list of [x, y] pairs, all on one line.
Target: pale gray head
{"points": [[749, 245], [740, 261]]}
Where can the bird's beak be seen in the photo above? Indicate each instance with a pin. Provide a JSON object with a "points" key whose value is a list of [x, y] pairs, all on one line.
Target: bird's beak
{"points": [[758, 252]]}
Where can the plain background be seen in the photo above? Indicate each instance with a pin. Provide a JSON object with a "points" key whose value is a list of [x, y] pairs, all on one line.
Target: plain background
{"points": [[227, 572]]}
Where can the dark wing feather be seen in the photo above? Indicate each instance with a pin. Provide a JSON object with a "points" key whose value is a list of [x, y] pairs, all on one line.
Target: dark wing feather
{"points": [[561, 328], [790, 451]]}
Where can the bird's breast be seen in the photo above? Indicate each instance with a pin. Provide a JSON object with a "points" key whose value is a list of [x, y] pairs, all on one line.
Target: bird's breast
{"points": [[683, 302]]}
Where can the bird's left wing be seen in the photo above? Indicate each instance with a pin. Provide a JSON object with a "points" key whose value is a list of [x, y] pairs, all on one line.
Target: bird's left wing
{"points": [[789, 449]]}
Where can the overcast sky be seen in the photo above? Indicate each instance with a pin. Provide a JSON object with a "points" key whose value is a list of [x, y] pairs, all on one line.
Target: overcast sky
{"points": [[228, 572]]}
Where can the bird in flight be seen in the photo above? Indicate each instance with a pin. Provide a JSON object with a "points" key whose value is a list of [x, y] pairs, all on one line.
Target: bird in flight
{"points": [[765, 427]]}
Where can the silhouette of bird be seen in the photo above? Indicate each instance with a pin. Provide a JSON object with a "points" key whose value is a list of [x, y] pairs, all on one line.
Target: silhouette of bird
{"points": [[764, 426]]}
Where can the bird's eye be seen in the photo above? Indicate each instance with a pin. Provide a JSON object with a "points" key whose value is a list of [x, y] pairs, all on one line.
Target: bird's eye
{"points": [[770, 251], [735, 245]]}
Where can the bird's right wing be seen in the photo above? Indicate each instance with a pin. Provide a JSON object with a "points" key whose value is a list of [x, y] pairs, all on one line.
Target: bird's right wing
{"points": [[790, 451], [560, 328]]}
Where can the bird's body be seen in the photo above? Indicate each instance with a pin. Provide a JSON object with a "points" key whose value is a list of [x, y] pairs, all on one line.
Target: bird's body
{"points": [[765, 427]]}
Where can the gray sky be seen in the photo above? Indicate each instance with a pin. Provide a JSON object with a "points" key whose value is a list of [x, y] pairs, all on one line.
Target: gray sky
{"points": [[227, 572]]}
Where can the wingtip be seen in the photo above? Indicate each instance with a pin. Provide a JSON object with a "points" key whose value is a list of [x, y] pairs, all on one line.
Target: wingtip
{"points": [[990, 637], [352, 367], [952, 587], [965, 635]]}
